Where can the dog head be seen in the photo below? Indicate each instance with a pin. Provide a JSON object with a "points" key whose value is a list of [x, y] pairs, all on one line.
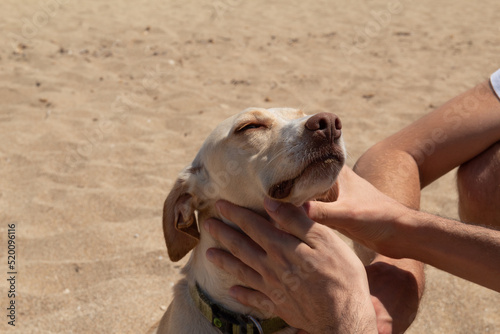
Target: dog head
{"points": [[280, 153]]}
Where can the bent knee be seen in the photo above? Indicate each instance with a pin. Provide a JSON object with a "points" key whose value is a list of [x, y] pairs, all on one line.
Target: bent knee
{"points": [[478, 182]]}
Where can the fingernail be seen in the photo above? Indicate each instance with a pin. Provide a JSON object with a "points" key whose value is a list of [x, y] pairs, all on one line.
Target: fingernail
{"points": [[232, 292], [271, 205], [206, 225], [210, 255]]}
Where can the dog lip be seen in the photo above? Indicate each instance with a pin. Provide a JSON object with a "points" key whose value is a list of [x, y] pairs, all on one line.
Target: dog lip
{"points": [[283, 189]]}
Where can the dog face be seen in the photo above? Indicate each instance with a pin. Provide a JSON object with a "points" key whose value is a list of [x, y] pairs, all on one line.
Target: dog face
{"points": [[280, 153]]}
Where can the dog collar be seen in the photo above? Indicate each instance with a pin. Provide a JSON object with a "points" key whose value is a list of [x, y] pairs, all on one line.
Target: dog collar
{"points": [[229, 322]]}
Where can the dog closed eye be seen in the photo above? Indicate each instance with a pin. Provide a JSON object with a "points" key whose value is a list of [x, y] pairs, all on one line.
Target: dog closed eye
{"points": [[249, 126], [279, 153]]}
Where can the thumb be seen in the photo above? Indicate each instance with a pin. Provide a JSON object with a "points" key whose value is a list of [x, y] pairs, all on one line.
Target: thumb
{"points": [[289, 217], [330, 214]]}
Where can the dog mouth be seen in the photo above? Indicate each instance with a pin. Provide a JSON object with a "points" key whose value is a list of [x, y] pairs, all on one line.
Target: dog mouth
{"points": [[324, 165]]}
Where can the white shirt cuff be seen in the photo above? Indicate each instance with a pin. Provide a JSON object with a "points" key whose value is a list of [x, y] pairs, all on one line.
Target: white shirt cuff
{"points": [[495, 82]]}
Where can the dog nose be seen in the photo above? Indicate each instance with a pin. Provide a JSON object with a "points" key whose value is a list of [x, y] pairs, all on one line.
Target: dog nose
{"points": [[326, 125]]}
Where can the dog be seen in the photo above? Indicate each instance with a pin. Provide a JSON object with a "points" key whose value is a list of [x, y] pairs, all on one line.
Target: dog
{"points": [[281, 153]]}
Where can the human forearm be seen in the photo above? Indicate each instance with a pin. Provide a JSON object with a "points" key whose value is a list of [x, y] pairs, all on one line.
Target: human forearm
{"points": [[468, 251], [438, 142], [394, 173]]}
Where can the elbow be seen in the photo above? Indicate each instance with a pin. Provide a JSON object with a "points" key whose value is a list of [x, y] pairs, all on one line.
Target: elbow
{"points": [[387, 157], [393, 171]]}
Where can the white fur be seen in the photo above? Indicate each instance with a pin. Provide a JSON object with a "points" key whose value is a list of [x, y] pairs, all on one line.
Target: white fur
{"points": [[241, 167]]}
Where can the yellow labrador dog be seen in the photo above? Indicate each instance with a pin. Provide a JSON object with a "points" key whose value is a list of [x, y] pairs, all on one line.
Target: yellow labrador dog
{"points": [[280, 153]]}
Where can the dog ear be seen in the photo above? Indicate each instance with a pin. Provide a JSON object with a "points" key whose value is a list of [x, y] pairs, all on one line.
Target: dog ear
{"points": [[180, 226]]}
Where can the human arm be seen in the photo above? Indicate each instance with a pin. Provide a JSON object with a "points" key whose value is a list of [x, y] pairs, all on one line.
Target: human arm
{"points": [[307, 276], [433, 145], [468, 251], [396, 285], [392, 229], [407, 161]]}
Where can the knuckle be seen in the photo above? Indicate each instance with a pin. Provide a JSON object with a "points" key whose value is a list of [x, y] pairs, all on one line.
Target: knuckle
{"points": [[278, 296], [292, 279], [264, 305], [316, 234], [312, 264]]}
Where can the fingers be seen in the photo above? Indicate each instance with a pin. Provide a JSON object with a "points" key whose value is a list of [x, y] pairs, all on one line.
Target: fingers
{"points": [[324, 213], [342, 212], [254, 299], [255, 226], [235, 267], [334, 215], [291, 218], [238, 244]]}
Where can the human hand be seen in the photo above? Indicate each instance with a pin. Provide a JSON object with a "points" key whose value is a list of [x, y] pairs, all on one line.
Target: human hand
{"points": [[304, 273], [373, 219], [362, 213]]}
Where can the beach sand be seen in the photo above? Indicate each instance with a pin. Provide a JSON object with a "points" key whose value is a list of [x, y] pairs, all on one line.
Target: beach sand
{"points": [[103, 103]]}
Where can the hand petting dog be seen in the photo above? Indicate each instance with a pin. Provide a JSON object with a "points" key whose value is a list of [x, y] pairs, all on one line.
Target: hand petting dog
{"points": [[288, 271]]}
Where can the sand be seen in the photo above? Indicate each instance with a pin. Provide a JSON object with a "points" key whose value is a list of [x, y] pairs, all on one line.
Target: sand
{"points": [[103, 103]]}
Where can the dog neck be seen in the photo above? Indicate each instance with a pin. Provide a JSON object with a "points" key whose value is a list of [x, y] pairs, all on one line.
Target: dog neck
{"points": [[214, 281]]}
